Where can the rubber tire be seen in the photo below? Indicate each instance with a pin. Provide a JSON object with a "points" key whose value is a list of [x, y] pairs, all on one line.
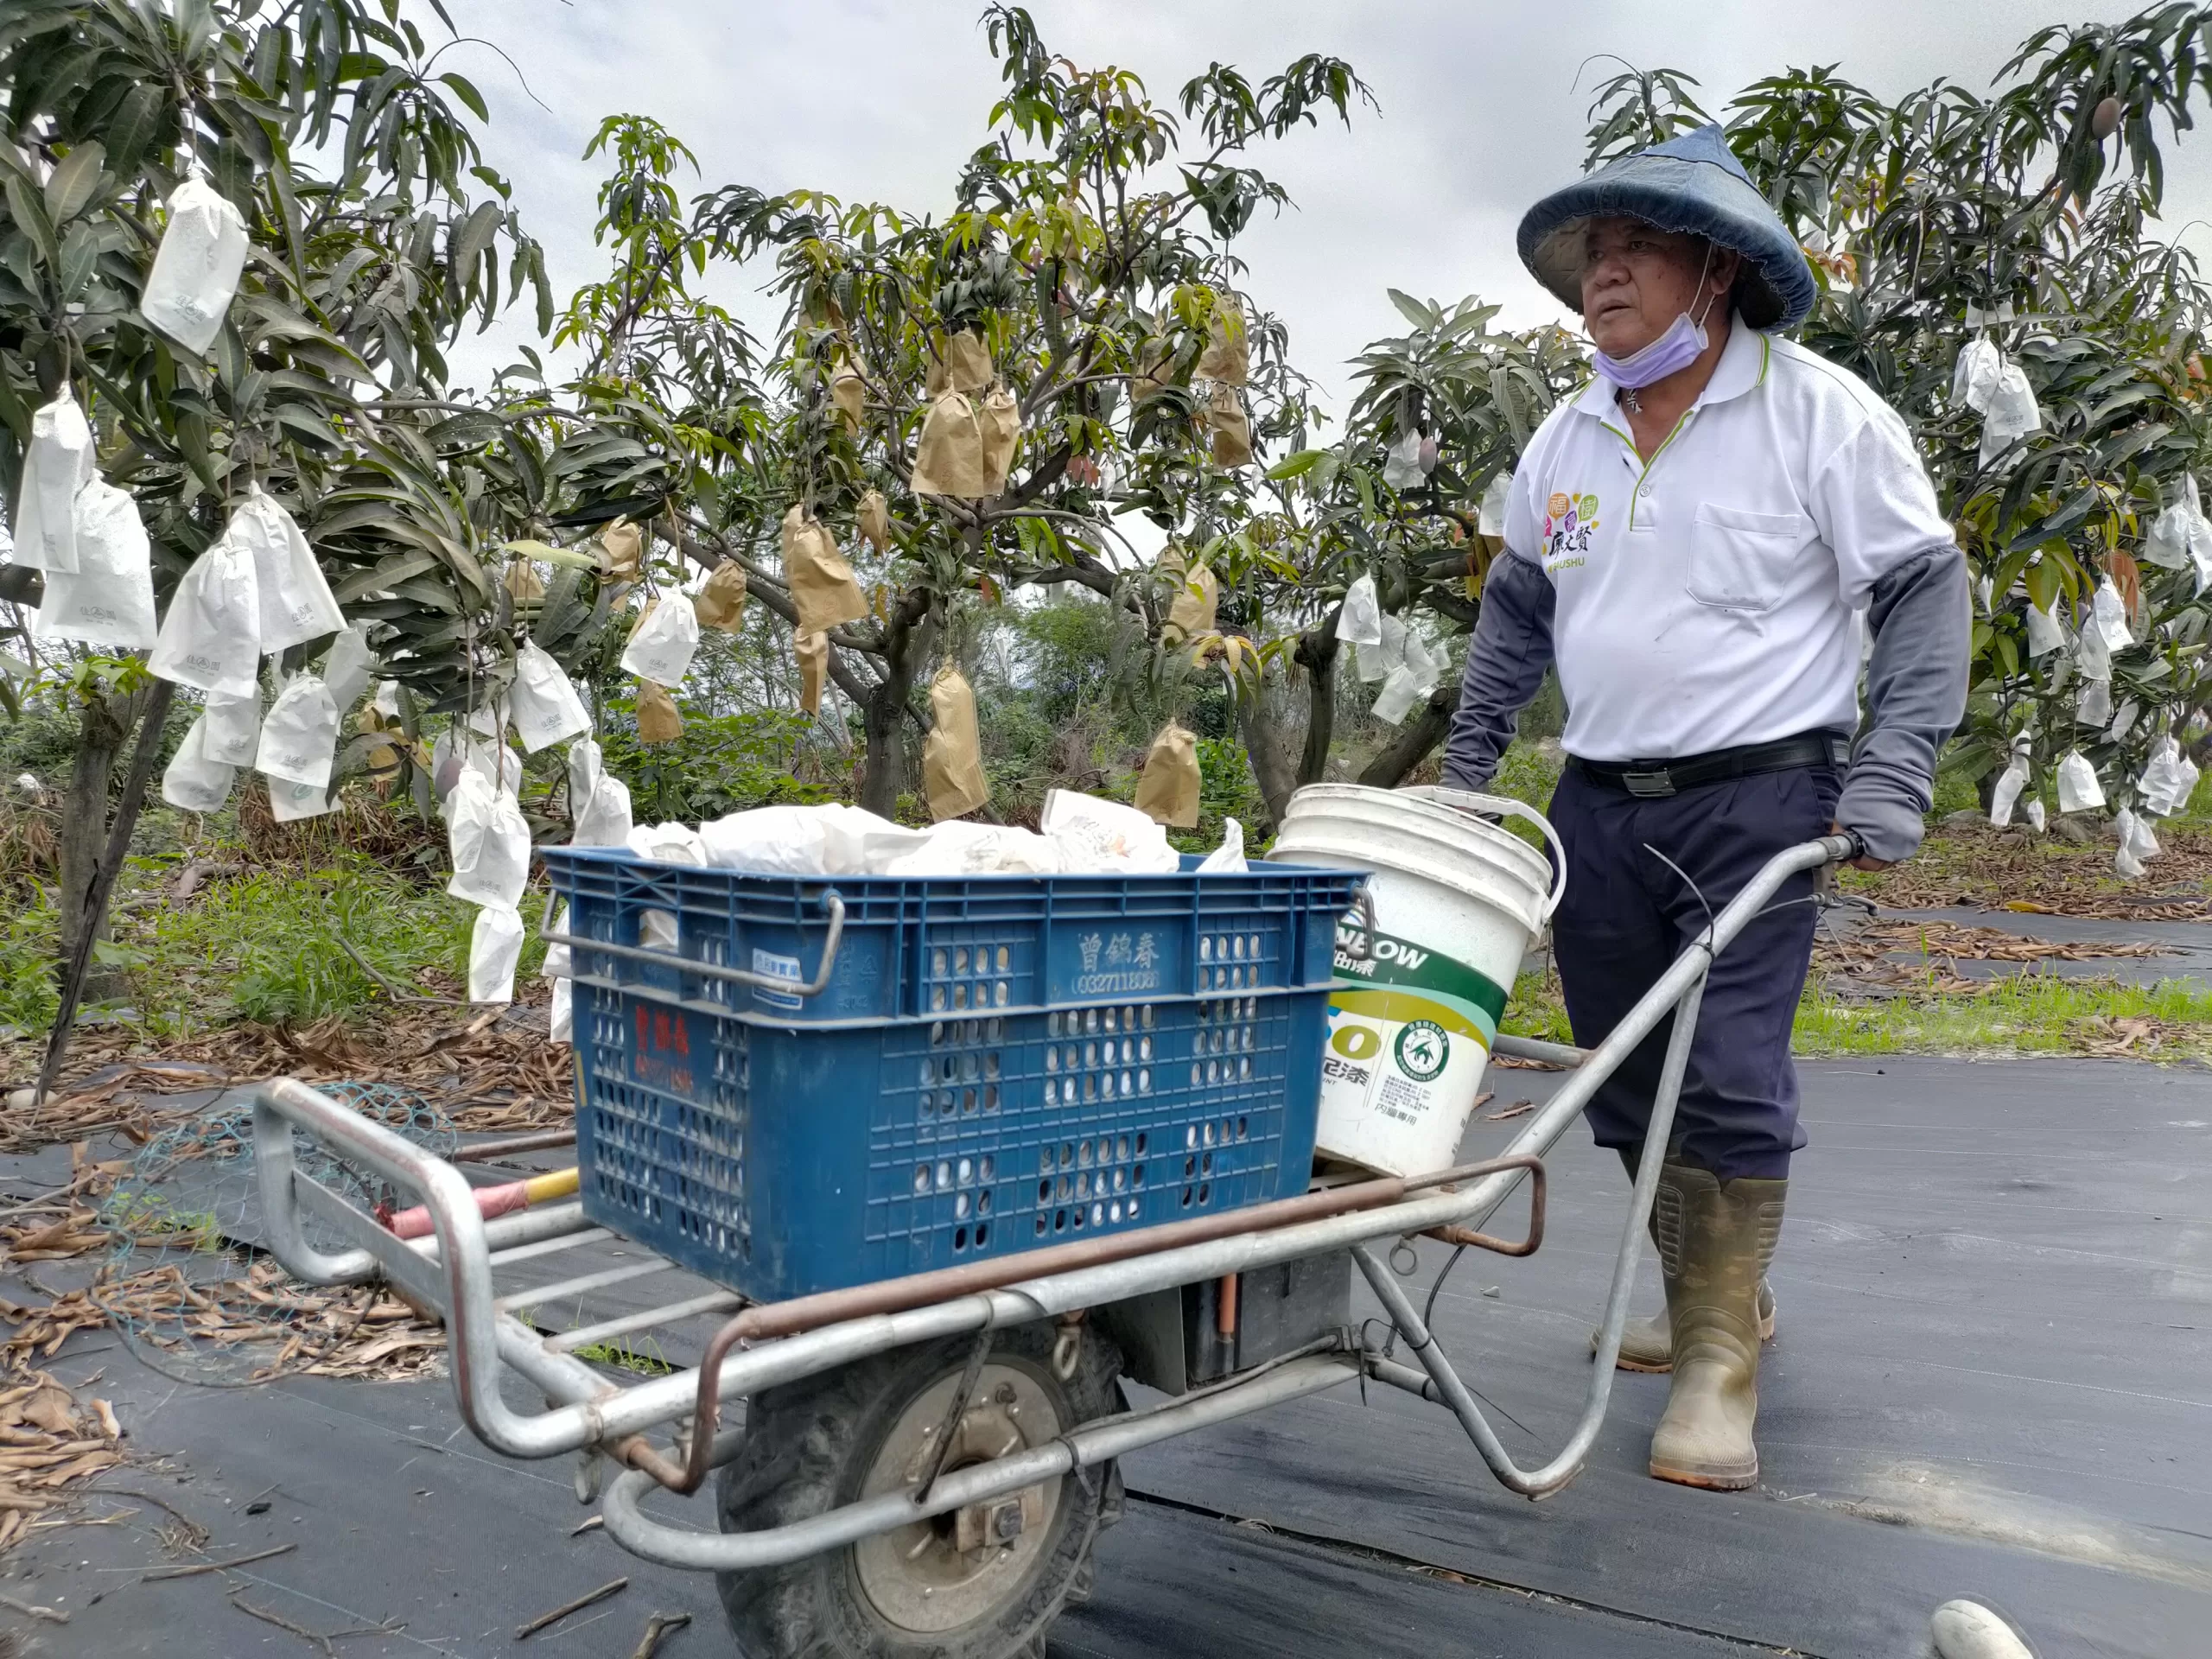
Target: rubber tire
{"points": [[808, 1446]]}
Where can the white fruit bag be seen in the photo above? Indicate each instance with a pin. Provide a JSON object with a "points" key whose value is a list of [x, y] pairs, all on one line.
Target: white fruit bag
{"points": [[1099, 836], [2035, 816], [1498, 497], [59, 463], [2044, 634], [289, 802], [299, 740], [195, 273], [346, 667], [2077, 785], [2012, 413], [1360, 621], [545, 705], [296, 603], [2167, 541], [233, 736], [2169, 781], [494, 948], [561, 1028], [1228, 858], [193, 783], [2109, 611], [108, 599], [2007, 791], [2094, 706], [1402, 468], [586, 762], [1378, 662], [958, 847], [669, 843], [456, 751], [211, 638], [662, 645], [605, 821], [489, 842]]}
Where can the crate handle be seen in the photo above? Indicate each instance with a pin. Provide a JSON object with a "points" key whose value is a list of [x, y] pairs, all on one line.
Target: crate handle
{"points": [[832, 906]]}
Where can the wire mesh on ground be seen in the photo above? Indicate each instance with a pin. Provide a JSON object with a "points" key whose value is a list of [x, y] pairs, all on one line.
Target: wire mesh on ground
{"points": [[188, 1284]]}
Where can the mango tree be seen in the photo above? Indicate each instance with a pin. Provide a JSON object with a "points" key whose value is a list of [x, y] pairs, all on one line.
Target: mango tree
{"points": [[377, 234], [1080, 298]]}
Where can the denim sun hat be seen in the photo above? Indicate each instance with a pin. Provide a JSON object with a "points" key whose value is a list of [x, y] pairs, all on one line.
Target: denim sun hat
{"points": [[1693, 185]]}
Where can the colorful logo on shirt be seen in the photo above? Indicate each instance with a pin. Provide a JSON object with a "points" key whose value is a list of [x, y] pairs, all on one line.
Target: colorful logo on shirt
{"points": [[1569, 522]]}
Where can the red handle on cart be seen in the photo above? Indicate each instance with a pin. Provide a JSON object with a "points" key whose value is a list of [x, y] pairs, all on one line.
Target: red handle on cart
{"points": [[490, 1201]]}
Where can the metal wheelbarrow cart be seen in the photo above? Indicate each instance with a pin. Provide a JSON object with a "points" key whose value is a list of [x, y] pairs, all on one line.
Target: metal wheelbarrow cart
{"points": [[954, 1157]]}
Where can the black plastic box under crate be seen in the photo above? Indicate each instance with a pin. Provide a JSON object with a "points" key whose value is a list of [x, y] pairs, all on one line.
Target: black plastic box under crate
{"points": [[781, 1157]]}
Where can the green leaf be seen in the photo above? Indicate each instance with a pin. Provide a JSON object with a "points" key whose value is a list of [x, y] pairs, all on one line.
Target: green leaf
{"points": [[1296, 465], [1421, 316], [466, 92], [2042, 579], [74, 181]]}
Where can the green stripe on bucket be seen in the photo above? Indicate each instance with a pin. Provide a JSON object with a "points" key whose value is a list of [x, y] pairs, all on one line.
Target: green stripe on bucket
{"points": [[1406, 964]]}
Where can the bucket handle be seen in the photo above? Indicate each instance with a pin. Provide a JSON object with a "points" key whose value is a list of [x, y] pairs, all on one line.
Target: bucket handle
{"points": [[1470, 802]]}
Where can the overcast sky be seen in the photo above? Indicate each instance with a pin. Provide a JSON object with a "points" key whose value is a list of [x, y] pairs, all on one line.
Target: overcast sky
{"points": [[1481, 113]]}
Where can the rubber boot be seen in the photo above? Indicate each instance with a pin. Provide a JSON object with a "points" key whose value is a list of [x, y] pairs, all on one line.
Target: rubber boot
{"points": [[1647, 1344], [1714, 1237]]}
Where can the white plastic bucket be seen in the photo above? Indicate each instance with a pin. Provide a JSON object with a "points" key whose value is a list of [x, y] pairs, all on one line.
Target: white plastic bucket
{"points": [[1457, 902]]}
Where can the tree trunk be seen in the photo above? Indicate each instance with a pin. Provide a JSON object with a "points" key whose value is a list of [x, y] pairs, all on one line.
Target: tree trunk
{"points": [[883, 717], [1389, 769], [102, 730], [1318, 654], [1264, 748]]}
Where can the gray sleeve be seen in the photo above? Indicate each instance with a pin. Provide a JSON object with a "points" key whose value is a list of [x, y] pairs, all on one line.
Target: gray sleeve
{"points": [[1922, 622], [1506, 661]]}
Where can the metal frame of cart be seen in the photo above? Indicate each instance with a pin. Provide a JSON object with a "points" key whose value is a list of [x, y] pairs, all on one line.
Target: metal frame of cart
{"points": [[779, 1343]]}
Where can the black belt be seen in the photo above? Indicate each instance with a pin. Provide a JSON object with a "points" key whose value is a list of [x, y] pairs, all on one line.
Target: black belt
{"points": [[1656, 780]]}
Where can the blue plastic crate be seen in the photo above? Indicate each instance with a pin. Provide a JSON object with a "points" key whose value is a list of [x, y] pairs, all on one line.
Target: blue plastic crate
{"points": [[1083, 1054]]}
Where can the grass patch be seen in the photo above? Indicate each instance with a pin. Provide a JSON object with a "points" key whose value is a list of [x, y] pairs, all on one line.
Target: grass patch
{"points": [[644, 1362], [265, 946], [2024, 1013], [2029, 1014]]}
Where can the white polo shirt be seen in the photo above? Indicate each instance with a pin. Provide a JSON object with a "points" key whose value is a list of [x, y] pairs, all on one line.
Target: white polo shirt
{"points": [[1716, 597]]}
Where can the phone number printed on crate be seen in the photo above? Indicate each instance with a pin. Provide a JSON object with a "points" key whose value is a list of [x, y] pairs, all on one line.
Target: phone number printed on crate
{"points": [[1131, 967]]}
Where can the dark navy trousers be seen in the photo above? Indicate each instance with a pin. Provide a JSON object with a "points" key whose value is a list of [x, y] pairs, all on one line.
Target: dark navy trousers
{"points": [[1625, 917]]}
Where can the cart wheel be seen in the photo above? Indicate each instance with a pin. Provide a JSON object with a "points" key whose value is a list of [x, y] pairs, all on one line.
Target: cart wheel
{"points": [[982, 1583]]}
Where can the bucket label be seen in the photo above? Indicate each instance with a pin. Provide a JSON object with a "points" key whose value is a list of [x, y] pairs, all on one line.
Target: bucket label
{"points": [[1400, 981], [1409, 1034]]}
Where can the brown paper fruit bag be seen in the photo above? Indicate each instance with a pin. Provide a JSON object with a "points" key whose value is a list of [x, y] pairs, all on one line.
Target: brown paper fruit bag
{"points": [[1232, 431], [1198, 597], [525, 585], [812, 650], [822, 584], [849, 392], [948, 460], [1168, 791], [1000, 422], [658, 720], [952, 756], [720, 601], [873, 518], [967, 364], [1228, 355], [622, 550]]}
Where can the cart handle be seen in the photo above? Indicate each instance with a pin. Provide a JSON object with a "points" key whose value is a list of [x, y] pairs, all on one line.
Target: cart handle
{"points": [[832, 906]]}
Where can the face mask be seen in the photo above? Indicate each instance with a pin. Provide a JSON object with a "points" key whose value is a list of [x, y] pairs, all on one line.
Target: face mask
{"points": [[1673, 351]]}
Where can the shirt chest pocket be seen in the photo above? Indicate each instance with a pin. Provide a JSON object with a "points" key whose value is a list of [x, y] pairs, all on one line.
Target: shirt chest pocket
{"points": [[1739, 559]]}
